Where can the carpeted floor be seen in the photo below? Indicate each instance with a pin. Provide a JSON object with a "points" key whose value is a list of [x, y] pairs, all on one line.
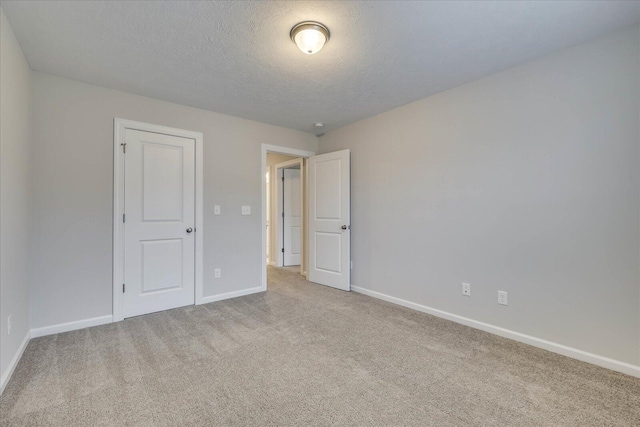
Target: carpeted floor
{"points": [[303, 354]]}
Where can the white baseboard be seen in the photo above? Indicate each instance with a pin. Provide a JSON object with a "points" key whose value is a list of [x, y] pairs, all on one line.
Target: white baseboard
{"points": [[70, 326], [234, 294], [6, 375], [605, 362]]}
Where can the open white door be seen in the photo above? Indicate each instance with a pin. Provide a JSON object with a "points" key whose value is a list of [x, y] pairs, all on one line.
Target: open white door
{"points": [[329, 219], [292, 217]]}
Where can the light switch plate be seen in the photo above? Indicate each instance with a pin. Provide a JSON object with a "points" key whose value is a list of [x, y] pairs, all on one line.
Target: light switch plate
{"points": [[246, 210]]}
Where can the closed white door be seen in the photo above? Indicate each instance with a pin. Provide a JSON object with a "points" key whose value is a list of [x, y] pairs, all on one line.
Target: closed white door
{"points": [[268, 191], [159, 259], [329, 220], [292, 217]]}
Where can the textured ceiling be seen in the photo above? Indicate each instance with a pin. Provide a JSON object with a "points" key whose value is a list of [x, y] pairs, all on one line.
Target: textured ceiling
{"points": [[237, 58]]}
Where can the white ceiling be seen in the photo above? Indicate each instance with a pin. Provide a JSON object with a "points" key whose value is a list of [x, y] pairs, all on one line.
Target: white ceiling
{"points": [[237, 58]]}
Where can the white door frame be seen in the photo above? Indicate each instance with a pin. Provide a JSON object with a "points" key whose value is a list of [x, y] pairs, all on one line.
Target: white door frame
{"points": [[279, 197], [268, 148], [119, 127]]}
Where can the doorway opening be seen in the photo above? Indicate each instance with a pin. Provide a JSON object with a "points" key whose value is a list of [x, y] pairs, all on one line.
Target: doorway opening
{"points": [[290, 197], [283, 205], [288, 200], [316, 200]]}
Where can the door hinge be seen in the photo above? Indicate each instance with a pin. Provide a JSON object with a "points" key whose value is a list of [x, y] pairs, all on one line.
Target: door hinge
{"points": [[123, 217], [283, 179], [124, 147], [282, 214], [123, 288], [282, 250]]}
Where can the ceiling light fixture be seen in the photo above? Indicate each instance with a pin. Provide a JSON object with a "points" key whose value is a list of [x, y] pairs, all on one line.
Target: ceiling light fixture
{"points": [[310, 36]]}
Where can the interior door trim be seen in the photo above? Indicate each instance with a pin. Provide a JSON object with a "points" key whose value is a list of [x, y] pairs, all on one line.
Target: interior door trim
{"points": [[119, 127], [264, 149]]}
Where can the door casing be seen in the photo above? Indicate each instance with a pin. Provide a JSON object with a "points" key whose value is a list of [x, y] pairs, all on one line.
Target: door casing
{"points": [[119, 127]]}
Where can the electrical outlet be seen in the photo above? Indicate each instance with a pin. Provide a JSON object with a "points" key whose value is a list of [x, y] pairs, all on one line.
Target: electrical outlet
{"points": [[217, 273], [9, 325], [246, 210], [502, 297], [216, 210], [466, 289]]}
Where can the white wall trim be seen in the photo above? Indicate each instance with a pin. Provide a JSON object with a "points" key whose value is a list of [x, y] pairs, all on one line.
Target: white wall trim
{"points": [[70, 326], [264, 149], [605, 362], [6, 375], [234, 294], [290, 164], [119, 127]]}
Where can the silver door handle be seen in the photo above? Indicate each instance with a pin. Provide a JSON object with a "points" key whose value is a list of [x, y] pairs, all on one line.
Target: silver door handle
{"points": [[344, 227], [189, 230]]}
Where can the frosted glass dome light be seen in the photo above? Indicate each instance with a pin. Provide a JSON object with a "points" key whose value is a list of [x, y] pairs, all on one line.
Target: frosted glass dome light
{"points": [[310, 36]]}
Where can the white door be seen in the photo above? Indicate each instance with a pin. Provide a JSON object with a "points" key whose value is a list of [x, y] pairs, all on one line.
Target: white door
{"points": [[329, 219], [159, 259], [292, 217], [268, 191]]}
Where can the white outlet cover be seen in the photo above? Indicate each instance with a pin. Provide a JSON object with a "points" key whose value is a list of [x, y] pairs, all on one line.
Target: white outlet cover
{"points": [[216, 210], [246, 210], [502, 298], [466, 289], [217, 273]]}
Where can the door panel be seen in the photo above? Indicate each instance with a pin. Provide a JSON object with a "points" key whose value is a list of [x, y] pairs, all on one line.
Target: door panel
{"points": [[162, 169], [160, 206], [161, 265], [329, 219], [328, 195], [292, 217], [328, 251]]}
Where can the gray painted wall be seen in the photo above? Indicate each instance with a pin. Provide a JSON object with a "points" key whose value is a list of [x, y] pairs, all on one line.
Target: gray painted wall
{"points": [[15, 111], [73, 185], [526, 181]]}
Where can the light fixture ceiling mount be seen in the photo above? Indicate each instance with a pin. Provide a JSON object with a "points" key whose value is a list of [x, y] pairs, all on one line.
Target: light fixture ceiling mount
{"points": [[310, 36]]}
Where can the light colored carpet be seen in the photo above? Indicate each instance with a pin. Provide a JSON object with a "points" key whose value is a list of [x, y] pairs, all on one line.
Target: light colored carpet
{"points": [[303, 354]]}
